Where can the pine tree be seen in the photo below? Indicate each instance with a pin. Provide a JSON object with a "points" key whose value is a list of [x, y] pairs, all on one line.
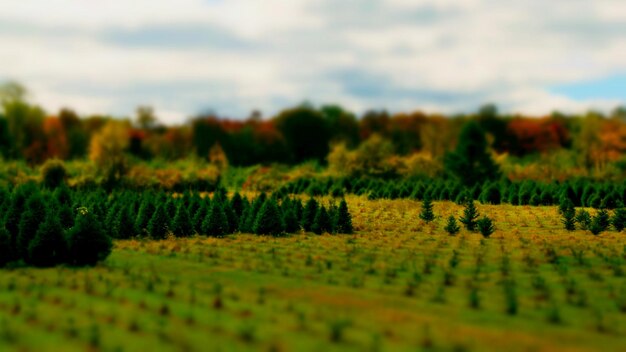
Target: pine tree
{"points": [[322, 222], [87, 243], [427, 210], [34, 213], [600, 222], [583, 219], [146, 211], [343, 219], [269, 220], [49, 247], [200, 215], [451, 226], [485, 226], [14, 214], [231, 217], [292, 225], [6, 249], [308, 214], [216, 223], [470, 214], [181, 225], [619, 219], [253, 212], [158, 227], [124, 223], [236, 204]]}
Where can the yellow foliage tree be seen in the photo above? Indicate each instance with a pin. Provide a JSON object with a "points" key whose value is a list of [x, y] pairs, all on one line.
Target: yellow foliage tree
{"points": [[107, 149]]}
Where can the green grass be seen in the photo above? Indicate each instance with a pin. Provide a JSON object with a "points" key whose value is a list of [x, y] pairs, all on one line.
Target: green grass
{"points": [[397, 285]]}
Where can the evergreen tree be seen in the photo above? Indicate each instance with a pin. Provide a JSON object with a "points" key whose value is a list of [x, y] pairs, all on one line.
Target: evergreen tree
{"points": [[343, 219], [6, 249], [216, 223], [322, 222], [269, 220], [583, 219], [236, 204], [231, 217], [451, 226], [470, 214], [427, 210], [600, 222], [569, 214], [34, 213], [253, 212], [124, 224], [471, 162], [146, 211], [200, 215], [308, 214], [485, 226], [619, 219], [292, 225], [181, 225], [87, 243], [158, 227], [171, 207], [15, 212], [490, 194], [49, 246]]}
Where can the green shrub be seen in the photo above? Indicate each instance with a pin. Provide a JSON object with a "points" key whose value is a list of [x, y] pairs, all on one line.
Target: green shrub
{"points": [[426, 213], [569, 214], [470, 214], [269, 219], [49, 247], [451, 226], [53, 173], [583, 219], [485, 226], [343, 219], [619, 219], [87, 242]]}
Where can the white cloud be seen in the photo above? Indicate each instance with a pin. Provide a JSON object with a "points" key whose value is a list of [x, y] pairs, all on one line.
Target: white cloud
{"points": [[239, 55]]}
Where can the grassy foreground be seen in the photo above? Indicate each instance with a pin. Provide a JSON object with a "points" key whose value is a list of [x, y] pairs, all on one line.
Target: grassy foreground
{"points": [[398, 284]]}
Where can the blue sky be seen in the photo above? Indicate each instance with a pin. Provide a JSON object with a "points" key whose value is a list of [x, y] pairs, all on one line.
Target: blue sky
{"points": [[186, 56]]}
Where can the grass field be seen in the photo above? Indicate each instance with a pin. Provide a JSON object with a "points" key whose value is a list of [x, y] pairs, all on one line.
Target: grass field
{"points": [[397, 284]]}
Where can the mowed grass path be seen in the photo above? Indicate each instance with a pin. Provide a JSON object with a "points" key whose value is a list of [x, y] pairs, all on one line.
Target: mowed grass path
{"points": [[397, 284]]}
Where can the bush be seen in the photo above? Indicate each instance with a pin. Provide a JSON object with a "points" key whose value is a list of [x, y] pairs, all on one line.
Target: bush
{"points": [[427, 210], [600, 222], [53, 173], [269, 220], [485, 226], [619, 219], [451, 226], [49, 247], [181, 225], [158, 227], [470, 214], [583, 219], [216, 223], [87, 242], [322, 222], [343, 219]]}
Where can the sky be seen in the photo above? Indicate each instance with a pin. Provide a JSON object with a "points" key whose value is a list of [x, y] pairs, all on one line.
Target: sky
{"points": [[184, 57]]}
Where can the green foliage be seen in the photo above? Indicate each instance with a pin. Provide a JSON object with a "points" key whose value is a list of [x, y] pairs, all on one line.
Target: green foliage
{"points": [[6, 249], [583, 219], [470, 215], [146, 211], [215, 224], [343, 219], [181, 224], [619, 219], [290, 219], [124, 224], [35, 212], [53, 173], [600, 222], [427, 210], [471, 162], [451, 226], [485, 226], [322, 222], [306, 132], [87, 242], [49, 247], [269, 219], [308, 214], [158, 227]]}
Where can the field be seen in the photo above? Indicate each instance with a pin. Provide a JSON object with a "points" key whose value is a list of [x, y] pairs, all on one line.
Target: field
{"points": [[397, 284]]}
